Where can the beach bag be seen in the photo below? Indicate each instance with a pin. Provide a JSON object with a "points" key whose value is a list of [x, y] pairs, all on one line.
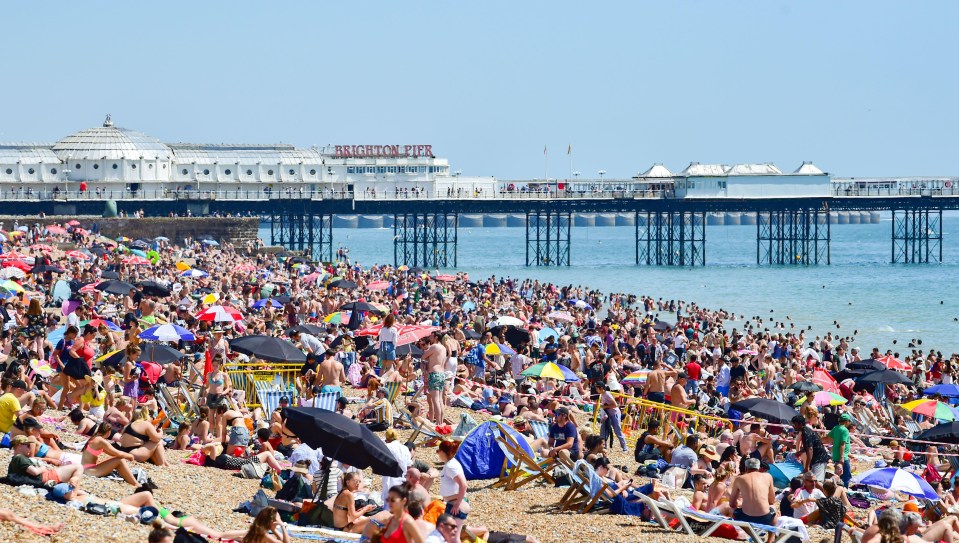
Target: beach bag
{"points": [[253, 470], [315, 514], [196, 459], [183, 536]]}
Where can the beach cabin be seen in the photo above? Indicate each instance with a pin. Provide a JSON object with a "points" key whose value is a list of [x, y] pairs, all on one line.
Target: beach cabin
{"points": [[751, 181]]}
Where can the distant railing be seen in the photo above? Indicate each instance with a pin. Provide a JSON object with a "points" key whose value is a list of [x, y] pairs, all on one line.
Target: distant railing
{"points": [[853, 189]]}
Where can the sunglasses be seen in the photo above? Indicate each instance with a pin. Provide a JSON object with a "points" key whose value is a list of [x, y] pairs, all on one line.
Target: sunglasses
{"points": [[447, 524]]}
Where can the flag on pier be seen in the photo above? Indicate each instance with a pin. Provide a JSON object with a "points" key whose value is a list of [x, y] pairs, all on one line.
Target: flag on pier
{"points": [[569, 150]]}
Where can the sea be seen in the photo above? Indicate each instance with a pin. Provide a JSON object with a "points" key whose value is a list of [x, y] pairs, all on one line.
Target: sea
{"points": [[861, 295]]}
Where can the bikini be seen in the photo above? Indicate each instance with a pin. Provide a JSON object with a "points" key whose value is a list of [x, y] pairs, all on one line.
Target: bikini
{"points": [[130, 431], [345, 510], [397, 536], [93, 452]]}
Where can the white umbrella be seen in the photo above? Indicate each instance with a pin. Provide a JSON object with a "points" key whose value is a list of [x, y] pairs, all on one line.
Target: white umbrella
{"points": [[561, 316], [508, 321], [12, 273]]}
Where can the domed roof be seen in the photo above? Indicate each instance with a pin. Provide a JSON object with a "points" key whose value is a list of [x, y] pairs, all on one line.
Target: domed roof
{"points": [[109, 142]]}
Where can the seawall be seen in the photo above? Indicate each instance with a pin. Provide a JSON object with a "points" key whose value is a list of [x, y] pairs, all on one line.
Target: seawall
{"points": [[236, 230]]}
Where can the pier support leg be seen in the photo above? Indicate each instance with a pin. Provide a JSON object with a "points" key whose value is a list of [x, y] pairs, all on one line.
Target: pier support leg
{"points": [[425, 239], [547, 237], [916, 235], [302, 230], [671, 238], [797, 237]]}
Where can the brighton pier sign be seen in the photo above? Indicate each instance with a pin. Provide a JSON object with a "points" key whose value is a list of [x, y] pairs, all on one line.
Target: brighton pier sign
{"points": [[382, 151]]}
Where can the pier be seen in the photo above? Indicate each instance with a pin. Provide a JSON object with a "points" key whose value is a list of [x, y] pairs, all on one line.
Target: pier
{"points": [[670, 231]]}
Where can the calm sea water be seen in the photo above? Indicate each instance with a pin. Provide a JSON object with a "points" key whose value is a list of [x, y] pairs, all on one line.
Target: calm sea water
{"points": [[861, 290]]}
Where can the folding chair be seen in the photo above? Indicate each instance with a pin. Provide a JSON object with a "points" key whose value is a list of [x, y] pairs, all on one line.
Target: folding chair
{"points": [[522, 468], [591, 488], [192, 401], [539, 428], [169, 404], [270, 400], [326, 401], [754, 531]]}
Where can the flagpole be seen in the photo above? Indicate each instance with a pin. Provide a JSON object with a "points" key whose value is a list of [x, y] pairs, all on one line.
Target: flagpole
{"points": [[570, 178], [545, 165]]}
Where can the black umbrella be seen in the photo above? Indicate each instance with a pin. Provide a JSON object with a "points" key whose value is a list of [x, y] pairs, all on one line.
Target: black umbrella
{"points": [[762, 408], [342, 439], [268, 348], [402, 350], [44, 268], [870, 365], [356, 319], [159, 353], [154, 288], [98, 250], [662, 326], [359, 306], [283, 298], [885, 377], [947, 432], [110, 274], [805, 386], [417, 270], [515, 336], [344, 284], [140, 244], [311, 329], [300, 260], [115, 286], [361, 342], [472, 334]]}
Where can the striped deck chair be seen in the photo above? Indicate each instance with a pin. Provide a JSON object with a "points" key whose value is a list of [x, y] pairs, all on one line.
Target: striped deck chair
{"points": [[540, 429], [589, 490], [326, 401], [169, 403], [189, 394], [519, 467]]}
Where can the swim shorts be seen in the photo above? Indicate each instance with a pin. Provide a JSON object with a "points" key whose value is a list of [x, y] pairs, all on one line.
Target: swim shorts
{"points": [[436, 381], [658, 397], [326, 389]]}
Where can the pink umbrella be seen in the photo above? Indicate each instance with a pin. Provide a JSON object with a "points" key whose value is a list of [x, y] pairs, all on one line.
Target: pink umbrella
{"points": [[13, 255], [246, 268], [69, 306], [74, 222], [57, 230], [894, 363], [378, 285], [136, 261], [41, 247], [219, 313], [408, 333], [78, 255], [445, 277]]}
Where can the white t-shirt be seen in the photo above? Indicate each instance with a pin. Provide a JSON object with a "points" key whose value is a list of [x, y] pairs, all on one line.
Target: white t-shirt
{"points": [[804, 509], [451, 470], [388, 334], [435, 537], [403, 457], [517, 364]]}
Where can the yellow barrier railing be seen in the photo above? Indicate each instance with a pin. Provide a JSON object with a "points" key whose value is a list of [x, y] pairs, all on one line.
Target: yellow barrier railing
{"points": [[244, 377], [638, 412]]}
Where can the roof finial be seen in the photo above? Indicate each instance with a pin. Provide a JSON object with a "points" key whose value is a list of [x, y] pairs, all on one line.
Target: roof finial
{"points": [[108, 122]]}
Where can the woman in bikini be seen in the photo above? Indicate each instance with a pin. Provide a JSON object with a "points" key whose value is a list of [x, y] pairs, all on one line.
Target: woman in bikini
{"points": [[231, 428], [346, 517], [200, 429], [98, 444], [216, 383], [401, 528], [141, 439]]}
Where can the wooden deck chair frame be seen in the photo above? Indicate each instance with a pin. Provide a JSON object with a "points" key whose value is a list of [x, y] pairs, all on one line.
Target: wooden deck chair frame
{"points": [[525, 469], [582, 474]]}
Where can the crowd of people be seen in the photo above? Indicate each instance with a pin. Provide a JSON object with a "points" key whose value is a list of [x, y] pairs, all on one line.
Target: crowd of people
{"points": [[79, 343]]}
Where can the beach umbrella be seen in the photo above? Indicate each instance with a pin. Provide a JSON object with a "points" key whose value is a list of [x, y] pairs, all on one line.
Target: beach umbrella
{"points": [[61, 291], [406, 333], [44, 268], [494, 349], [546, 332], [893, 363], [311, 329], [662, 326], [344, 284], [260, 304], [356, 319], [580, 304], [342, 438], [947, 432], [378, 285], [359, 306], [822, 398], [161, 238], [868, 365], [469, 306], [507, 320], [16, 263], [109, 274], [140, 244], [12, 286], [944, 390], [73, 222], [402, 350], [98, 251], [219, 313], [337, 317], [898, 480], [42, 247], [159, 353], [551, 370], [78, 255], [268, 348], [887, 377], [136, 260], [445, 277], [56, 230], [13, 255], [744, 352], [12, 273], [243, 268], [763, 408], [416, 270], [637, 378], [154, 288], [114, 286], [167, 332], [139, 253], [211, 242], [826, 381], [515, 335], [560, 316], [805, 386], [114, 359], [97, 322], [931, 408], [194, 273], [472, 334]]}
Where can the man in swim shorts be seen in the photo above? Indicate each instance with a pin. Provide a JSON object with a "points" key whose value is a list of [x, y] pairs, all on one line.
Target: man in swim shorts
{"points": [[435, 358]]}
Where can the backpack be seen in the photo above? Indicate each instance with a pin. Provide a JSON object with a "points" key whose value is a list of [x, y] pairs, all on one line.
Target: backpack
{"points": [[183, 536]]}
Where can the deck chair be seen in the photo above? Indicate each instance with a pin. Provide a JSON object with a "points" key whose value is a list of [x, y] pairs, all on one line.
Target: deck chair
{"points": [[522, 467], [540, 429], [169, 404], [590, 487], [326, 401], [190, 395], [270, 400], [754, 531]]}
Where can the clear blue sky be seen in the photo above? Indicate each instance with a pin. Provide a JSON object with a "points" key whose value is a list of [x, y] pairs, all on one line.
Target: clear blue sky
{"points": [[860, 88]]}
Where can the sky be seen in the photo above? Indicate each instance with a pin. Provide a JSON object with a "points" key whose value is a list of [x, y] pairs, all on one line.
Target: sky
{"points": [[861, 88]]}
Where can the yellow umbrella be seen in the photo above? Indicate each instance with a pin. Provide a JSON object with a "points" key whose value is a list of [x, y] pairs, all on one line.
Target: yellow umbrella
{"points": [[210, 298], [182, 266], [12, 286]]}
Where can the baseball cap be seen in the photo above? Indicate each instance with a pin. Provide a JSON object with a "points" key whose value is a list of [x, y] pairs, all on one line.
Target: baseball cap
{"points": [[285, 400], [31, 422], [844, 417], [505, 398], [561, 411], [19, 383]]}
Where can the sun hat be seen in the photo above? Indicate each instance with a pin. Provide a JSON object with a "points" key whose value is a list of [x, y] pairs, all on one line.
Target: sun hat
{"points": [[708, 451], [147, 514]]}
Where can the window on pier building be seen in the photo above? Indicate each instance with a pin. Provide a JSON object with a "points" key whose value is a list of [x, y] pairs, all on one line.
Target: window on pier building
{"points": [[370, 169], [391, 169], [381, 169]]}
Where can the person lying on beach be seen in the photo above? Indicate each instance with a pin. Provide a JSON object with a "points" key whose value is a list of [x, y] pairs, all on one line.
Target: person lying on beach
{"points": [[34, 471], [7, 515]]}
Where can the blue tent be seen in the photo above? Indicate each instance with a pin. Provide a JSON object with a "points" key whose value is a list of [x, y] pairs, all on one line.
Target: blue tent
{"points": [[783, 472], [481, 455]]}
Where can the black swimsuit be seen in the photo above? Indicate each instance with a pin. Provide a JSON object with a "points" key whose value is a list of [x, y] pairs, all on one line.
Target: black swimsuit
{"points": [[130, 431]]}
